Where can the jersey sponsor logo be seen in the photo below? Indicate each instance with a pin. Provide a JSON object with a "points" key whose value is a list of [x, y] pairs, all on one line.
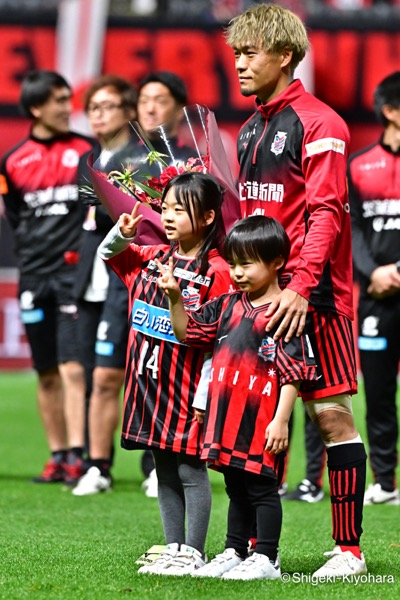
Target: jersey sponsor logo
{"points": [[267, 349], [50, 195], [36, 156], [379, 224], [191, 298], [265, 192], [374, 344], [102, 330], [104, 348], [325, 145], [70, 158], [192, 276], [279, 142], [387, 207], [380, 164], [28, 317], [370, 326], [153, 321], [179, 274], [26, 300], [244, 137]]}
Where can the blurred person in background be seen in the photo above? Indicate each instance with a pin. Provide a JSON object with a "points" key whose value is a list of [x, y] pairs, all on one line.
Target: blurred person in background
{"points": [[41, 200], [110, 103], [374, 189]]}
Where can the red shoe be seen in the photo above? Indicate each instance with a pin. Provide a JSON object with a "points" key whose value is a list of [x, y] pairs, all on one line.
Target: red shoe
{"points": [[73, 472], [53, 472]]}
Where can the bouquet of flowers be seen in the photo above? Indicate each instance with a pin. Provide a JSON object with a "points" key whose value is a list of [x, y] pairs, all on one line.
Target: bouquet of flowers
{"points": [[140, 171]]}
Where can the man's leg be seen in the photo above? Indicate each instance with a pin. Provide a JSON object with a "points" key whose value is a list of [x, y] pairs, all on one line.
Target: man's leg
{"points": [[347, 471], [51, 408], [104, 411], [379, 347]]}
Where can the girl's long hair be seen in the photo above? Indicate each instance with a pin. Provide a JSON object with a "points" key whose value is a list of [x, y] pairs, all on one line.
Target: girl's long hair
{"points": [[199, 193]]}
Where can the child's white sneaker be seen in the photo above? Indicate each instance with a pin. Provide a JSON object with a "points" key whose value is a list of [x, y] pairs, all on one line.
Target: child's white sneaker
{"points": [[219, 565], [165, 558], [186, 562], [341, 564], [256, 566]]}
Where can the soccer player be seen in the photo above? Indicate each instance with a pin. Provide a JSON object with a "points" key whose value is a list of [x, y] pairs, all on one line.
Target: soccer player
{"points": [[292, 153], [42, 207], [375, 216]]}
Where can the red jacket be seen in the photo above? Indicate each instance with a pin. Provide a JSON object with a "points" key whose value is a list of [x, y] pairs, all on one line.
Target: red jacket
{"points": [[293, 153]]}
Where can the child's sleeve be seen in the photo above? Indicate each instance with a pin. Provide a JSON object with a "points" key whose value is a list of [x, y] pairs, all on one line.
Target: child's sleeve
{"points": [[114, 243], [200, 397], [295, 360], [203, 324]]}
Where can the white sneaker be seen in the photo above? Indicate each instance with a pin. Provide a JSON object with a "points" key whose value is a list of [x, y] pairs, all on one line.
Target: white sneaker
{"points": [[376, 495], [341, 564], [165, 558], [219, 565], [151, 555], [150, 485], [186, 562], [257, 566], [91, 483]]}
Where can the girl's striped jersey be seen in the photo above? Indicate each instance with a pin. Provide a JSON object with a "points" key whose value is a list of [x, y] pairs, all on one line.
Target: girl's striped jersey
{"points": [[161, 373], [248, 370]]}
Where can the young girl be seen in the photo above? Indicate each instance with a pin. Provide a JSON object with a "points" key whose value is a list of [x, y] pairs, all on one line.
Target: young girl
{"points": [[161, 373], [253, 386]]}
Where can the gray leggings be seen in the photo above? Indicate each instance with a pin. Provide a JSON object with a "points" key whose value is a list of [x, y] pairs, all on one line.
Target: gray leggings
{"points": [[183, 490]]}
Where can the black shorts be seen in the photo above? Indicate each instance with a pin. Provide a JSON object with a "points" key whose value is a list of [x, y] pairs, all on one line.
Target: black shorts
{"points": [[50, 316], [113, 329]]}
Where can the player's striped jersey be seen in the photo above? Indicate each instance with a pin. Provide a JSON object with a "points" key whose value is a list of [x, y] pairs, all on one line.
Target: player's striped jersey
{"points": [[161, 373], [248, 370]]}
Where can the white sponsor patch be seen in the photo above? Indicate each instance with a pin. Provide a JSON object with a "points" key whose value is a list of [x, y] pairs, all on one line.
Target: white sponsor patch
{"points": [[324, 145]]}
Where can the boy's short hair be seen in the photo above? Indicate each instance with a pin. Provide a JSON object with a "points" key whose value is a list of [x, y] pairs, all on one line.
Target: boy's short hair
{"points": [[37, 88], [121, 86], [257, 238], [172, 81], [272, 28], [387, 92]]}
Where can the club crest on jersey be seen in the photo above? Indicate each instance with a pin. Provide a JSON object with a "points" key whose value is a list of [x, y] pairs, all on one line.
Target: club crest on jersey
{"points": [[267, 350], [191, 298], [279, 142]]}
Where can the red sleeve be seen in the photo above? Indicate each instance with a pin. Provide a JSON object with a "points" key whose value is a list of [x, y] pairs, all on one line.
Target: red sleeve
{"points": [[325, 153], [126, 263]]}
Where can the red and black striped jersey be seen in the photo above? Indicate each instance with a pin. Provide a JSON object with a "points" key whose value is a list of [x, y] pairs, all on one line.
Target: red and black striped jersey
{"points": [[40, 190], [161, 373], [248, 370], [293, 153]]}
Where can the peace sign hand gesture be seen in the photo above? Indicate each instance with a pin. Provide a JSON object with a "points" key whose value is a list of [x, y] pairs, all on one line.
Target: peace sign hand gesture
{"points": [[167, 281], [128, 222]]}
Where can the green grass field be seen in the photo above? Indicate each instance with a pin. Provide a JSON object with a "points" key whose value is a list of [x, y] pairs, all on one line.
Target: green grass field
{"points": [[54, 545]]}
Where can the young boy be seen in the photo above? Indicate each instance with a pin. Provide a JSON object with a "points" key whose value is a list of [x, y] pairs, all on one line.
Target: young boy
{"points": [[254, 383]]}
